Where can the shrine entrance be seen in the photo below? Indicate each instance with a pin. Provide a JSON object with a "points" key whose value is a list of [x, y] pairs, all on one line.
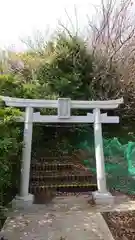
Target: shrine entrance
{"points": [[64, 106]]}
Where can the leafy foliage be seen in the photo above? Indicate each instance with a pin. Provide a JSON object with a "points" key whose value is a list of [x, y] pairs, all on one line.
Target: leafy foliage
{"points": [[68, 71], [10, 148]]}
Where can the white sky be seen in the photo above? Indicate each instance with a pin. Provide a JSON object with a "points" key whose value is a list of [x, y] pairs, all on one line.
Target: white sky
{"points": [[20, 18]]}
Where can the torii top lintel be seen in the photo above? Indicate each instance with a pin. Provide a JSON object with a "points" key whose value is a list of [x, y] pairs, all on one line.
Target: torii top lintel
{"points": [[38, 103]]}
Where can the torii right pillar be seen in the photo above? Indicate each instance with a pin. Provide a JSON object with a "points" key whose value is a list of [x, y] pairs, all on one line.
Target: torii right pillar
{"points": [[102, 195]]}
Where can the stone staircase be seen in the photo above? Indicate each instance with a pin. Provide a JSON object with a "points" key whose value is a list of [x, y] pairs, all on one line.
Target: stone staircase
{"points": [[60, 174]]}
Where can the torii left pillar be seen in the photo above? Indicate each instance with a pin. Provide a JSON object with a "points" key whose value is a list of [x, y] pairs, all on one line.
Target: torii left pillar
{"points": [[24, 196]]}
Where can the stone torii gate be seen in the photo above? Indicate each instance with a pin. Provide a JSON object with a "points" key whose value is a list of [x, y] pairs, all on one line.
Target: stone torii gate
{"points": [[63, 106]]}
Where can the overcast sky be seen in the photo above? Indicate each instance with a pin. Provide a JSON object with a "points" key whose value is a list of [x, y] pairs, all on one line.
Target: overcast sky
{"points": [[21, 18]]}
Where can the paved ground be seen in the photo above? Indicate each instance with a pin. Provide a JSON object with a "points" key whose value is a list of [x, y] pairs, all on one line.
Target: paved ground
{"points": [[67, 218]]}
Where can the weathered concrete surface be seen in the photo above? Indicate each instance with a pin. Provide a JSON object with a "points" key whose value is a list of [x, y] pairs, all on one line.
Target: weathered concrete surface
{"points": [[67, 218], [74, 203]]}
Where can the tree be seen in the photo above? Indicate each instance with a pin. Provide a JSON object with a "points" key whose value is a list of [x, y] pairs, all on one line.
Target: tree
{"points": [[111, 38], [68, 68]]}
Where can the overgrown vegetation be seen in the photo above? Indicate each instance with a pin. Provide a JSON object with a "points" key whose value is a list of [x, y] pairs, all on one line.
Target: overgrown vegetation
{"points": [[10, 148], [101, 67]]}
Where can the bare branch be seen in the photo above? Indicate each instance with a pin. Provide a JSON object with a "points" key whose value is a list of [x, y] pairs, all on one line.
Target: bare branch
{"points": [[115, 27]]}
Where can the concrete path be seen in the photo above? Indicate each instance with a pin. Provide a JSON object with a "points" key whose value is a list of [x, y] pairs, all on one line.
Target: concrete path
{"points": [[67, 218]]}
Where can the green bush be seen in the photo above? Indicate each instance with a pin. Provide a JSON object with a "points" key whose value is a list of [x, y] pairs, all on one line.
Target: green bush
{"points": [[68, 70], [10, 149]]}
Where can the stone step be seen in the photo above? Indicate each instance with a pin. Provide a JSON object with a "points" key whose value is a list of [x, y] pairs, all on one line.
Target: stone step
{"points": [[50, 173], [66, 187], [58, 178], [60, 173], [51, 167], [56, 158], [59, 159]]}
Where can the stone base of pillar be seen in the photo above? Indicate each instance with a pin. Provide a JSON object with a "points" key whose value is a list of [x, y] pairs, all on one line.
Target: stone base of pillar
{"points": [[22, 202], [103, 198]]}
